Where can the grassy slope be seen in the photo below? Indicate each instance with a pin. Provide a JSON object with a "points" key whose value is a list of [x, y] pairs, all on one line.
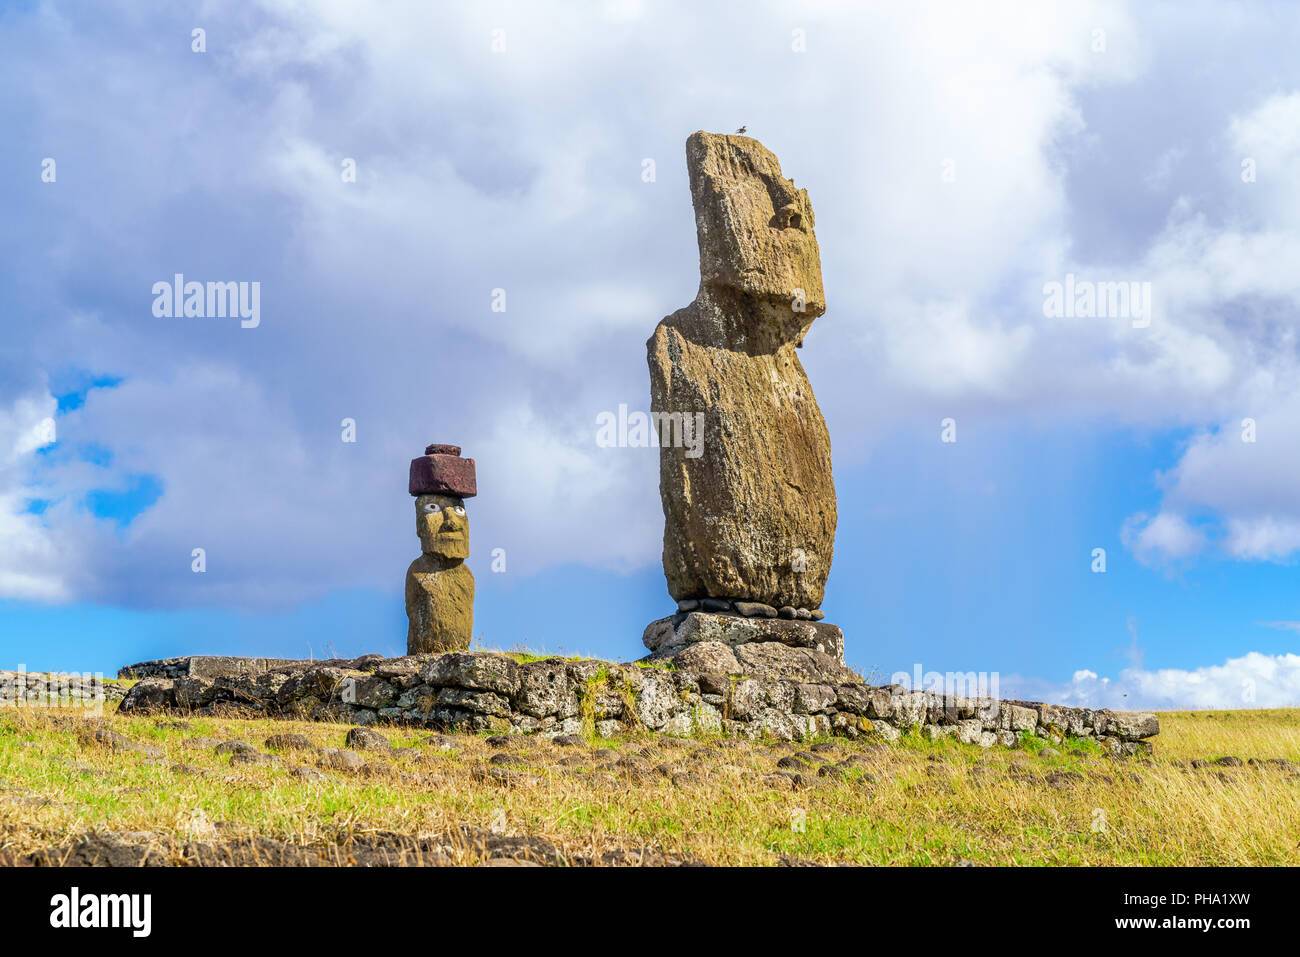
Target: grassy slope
{"points": [[928, 804]]}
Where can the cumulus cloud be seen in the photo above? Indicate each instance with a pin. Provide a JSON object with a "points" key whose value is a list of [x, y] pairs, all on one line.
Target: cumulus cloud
{"points": [[476, 172], [1242, 477], [1161, 538], [1254, 680], [944, 202], [1233, 287], [31, 561]]}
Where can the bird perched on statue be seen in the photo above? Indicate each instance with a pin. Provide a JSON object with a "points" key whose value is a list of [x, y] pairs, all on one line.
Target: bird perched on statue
{"points": [[741, 130]]}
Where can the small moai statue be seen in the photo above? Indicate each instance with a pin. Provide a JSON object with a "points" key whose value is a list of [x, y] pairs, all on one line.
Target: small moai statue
{"points": [[439, 585]]}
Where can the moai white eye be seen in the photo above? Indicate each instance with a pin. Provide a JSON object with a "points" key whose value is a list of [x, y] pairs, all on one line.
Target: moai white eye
{"points": [[458, 509], [432, 507]]}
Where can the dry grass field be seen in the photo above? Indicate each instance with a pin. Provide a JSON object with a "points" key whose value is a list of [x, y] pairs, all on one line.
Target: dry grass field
{"points": [[113, 789]]}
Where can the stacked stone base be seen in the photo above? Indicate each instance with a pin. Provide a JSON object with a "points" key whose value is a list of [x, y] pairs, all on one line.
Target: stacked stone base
{"points": [[480, 691], [765, 648]]}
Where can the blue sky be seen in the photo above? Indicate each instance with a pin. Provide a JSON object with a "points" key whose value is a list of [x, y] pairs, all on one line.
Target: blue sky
{"points": [[958, 159]]}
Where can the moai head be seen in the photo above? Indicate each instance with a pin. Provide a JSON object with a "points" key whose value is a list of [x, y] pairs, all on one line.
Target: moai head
{"points": [[442, 525], [441, 481], [755, 232]]}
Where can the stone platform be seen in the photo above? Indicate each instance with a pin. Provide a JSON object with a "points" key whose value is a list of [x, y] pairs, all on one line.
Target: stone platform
{"points": [[47, 688], [482, 691], [766, 648]]}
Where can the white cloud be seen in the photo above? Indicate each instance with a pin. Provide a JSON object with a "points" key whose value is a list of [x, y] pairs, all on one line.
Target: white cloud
{"points": [[1262, 539], [1254, 680], [1270, 135], [1248, 487], [1229, 297], [31, 562], [1158, 178], [478, 171], [1166, 536]]}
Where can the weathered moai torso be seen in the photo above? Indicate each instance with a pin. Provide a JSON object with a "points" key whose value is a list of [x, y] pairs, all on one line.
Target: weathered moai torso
{"points": [[752, 517], [439, 585]]}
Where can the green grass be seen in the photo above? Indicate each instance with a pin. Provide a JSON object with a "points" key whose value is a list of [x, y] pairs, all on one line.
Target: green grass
{"points": [[931, 803]]}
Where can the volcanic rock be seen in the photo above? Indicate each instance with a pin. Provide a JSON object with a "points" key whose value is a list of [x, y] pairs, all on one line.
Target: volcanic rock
{"points": [[750, 511]]}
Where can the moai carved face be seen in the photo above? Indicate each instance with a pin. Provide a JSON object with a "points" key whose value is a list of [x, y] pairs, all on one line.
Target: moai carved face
{"points": [[442, 525], [755, 227]]}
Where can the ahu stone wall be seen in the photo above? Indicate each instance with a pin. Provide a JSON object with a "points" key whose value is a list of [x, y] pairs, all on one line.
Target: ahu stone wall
{"points": [[484, 691], [37, 689]]}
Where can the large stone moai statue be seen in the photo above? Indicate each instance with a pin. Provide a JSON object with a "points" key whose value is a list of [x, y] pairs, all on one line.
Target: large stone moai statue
{"points": [[439, 585], [749, 513]]}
